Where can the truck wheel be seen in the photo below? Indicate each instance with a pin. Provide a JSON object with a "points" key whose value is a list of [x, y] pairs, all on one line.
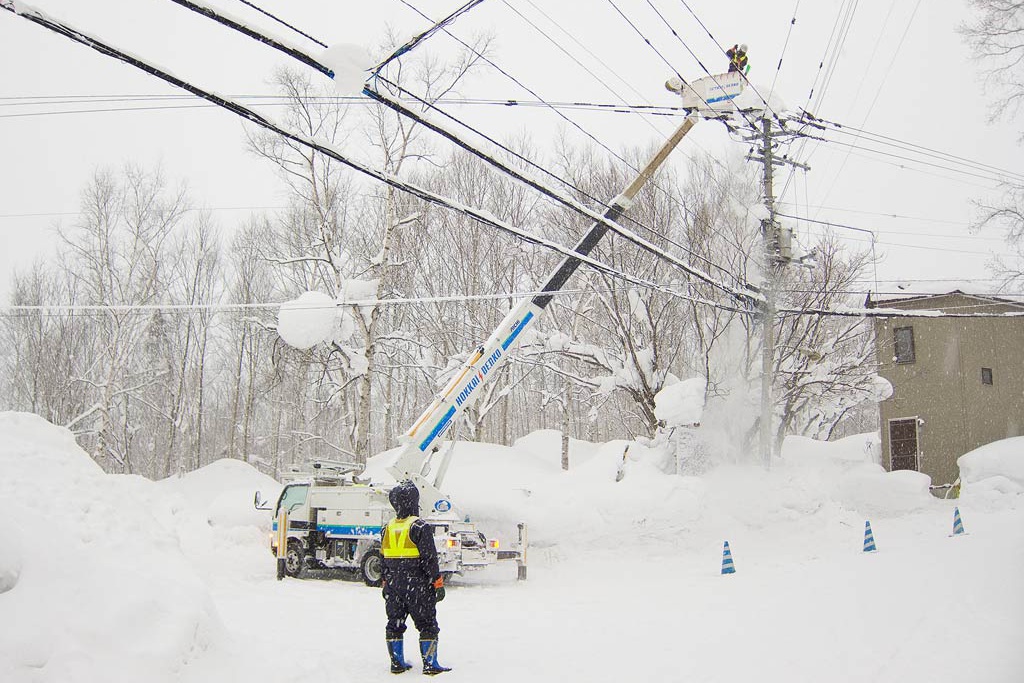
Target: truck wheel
{"points": [[372, 568], [295, 559]]}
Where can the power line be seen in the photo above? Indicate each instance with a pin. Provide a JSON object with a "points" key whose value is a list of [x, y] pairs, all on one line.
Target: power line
{"points": [[341, 303], [789, 33], [515, 80], [283, 23], [404, 186], [637, 109], [437, 26], [910, 146], [643, 244], [878, 213], [655, 184], [643, 110], [571, 35], [912, 169], [878, 92], [824, 57], [875, 241], [522, 85], [844, 33], [55, 214], [832, 66], [252, 33], [565, 201], [990, 177], [647, 40]]}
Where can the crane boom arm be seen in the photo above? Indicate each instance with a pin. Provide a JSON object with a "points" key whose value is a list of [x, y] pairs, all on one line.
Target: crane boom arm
{"points": [[463, 388]]}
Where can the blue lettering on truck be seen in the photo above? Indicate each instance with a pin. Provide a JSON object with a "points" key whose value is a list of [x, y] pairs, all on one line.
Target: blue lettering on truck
{"points": [[438, 428], [516, 329]]}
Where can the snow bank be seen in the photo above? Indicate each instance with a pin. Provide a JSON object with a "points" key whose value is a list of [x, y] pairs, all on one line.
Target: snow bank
{"points": [[96, 586], [223, 492], [109, 578], [855, 448], [1003, 458], [847, 472], [592, 502], [993, 475], [218, 528]]}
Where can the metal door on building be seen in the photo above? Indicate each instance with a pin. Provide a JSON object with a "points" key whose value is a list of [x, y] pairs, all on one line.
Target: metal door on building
{"points": [[903, 452]]}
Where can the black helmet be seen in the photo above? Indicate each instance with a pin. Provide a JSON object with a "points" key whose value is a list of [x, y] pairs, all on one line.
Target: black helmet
{"points": [[405, 498]]}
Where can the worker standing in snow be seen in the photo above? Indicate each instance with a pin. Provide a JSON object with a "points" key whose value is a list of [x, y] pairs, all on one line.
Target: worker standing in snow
{"points": [[737, 55], [413, 584]]}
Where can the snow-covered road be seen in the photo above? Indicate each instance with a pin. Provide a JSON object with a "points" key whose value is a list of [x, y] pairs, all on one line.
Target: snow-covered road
{"points": [[111, 578], [926, 607]]}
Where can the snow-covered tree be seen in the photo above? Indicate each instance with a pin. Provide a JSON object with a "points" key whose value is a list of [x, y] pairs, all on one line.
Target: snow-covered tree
{"points": [[115, 256], [824, 365], [996, 36]]}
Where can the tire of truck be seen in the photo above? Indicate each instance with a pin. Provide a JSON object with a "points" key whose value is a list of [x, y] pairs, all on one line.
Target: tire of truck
{"points": [[295, 559], [371, 568]]}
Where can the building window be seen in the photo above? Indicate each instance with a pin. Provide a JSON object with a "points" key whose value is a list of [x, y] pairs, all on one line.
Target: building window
{"points": [[904, 344], [986, 375]]}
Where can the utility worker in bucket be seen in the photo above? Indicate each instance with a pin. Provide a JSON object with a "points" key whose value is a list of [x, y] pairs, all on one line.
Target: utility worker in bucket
{"points": [[737, 55], [413, 584]]}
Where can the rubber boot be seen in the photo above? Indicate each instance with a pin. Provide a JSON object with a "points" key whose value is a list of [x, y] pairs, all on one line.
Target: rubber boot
{"points": [[396, 648], [428, 650]]}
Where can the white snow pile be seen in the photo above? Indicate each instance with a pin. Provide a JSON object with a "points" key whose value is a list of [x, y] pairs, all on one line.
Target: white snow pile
{"points": [[994, 468], [351, 65], [313, 318], [502, 486], [847, 472], [117, 578], [681, 403], [223, 493], [95, 585]]}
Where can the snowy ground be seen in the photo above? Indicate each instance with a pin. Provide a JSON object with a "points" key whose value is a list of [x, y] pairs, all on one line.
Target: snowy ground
{"points": [[113, 578]]}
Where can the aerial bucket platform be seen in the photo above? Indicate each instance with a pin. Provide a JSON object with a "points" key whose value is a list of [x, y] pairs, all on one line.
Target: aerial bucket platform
{"points": [[711, 94]]}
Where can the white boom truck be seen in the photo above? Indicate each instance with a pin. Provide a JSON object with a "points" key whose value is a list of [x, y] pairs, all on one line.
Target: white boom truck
{"points": [[337, 523], [334, 519]]}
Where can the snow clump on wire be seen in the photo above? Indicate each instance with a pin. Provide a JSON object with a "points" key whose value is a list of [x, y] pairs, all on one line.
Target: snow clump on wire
{"points": [[311, 319], [351, 65]]}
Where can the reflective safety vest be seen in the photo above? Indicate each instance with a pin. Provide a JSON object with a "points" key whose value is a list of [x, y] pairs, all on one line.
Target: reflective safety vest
{"points": [[396, 543]]}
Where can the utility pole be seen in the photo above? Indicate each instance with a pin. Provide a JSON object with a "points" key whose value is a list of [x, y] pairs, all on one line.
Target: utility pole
{"points": [[778, 252]]}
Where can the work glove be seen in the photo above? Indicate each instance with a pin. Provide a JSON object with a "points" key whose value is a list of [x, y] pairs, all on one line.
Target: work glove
{"points": [[439, 589]]}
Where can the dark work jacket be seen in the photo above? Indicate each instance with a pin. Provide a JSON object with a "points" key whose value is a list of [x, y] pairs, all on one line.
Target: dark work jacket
{"points": [[412, 571], [737, 59]]}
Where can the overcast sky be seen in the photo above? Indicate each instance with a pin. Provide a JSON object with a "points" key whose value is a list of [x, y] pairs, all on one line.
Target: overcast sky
{"points": [[897, 68]]}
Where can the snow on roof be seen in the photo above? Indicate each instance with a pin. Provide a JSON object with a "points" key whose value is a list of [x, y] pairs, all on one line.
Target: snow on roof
{"points": [[929, 291]]}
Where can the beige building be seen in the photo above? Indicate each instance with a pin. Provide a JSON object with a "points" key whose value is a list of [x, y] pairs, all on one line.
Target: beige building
{"points": [[958, 383]]}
